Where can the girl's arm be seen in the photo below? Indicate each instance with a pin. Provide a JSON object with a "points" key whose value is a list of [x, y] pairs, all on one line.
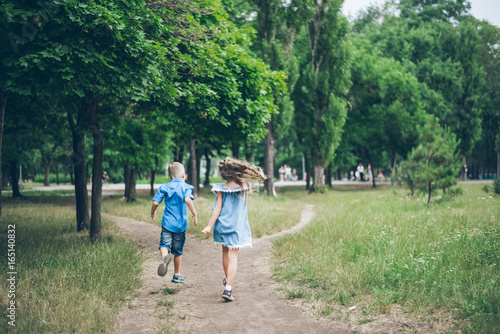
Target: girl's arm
{"points": [[215, 214]]}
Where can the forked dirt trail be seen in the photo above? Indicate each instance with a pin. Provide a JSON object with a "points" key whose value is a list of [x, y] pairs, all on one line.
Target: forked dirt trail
{"points": [[198, 306]]}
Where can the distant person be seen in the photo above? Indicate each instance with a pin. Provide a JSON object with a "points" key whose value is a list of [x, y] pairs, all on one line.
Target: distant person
{"points": [[105, 178], [357, 175], [288, 173], [178, 197], [361, 171], [352, 176], [282, 173], [381, 175], [370, 173], [294, 175], [229, 217]]}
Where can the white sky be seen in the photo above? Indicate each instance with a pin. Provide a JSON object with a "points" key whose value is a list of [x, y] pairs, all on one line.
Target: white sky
{"points": [[480, 9]]}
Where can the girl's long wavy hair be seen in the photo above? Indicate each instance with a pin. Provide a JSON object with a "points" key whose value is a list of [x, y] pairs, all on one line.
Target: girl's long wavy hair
{"points": [[240, 171]]}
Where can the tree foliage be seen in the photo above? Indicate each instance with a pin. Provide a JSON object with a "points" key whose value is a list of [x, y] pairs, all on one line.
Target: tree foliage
{"points": [[324, 81]]}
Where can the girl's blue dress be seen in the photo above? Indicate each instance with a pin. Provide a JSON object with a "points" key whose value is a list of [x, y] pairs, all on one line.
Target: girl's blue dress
{"points": [[231, 228]]}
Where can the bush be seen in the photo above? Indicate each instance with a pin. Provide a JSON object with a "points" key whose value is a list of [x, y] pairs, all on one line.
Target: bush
{"points": [[496, 185]]}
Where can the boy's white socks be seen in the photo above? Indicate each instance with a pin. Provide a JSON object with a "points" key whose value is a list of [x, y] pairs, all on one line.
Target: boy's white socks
{"points": [[228, 288]]}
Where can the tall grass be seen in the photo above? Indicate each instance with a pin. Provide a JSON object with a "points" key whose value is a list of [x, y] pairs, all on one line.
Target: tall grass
{"points": [[266, 215], [65, 284], [384, 248]]}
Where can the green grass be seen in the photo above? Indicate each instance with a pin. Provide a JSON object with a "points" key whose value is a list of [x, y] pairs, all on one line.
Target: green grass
{"points": [[64, 283], [266, 215], [383, 248]]}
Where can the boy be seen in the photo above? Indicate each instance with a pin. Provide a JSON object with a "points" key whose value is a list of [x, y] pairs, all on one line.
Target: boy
{"points": [[178, 195]]}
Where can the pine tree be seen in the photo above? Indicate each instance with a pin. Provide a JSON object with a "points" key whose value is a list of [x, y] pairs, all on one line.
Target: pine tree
{"points": [[435, 163]]}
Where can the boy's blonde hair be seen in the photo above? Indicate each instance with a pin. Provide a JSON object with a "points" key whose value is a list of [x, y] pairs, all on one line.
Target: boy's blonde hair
{"points": [[175, 170], [240, 171]]}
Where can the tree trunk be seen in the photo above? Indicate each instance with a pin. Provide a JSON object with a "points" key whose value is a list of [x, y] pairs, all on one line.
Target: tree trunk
{"points": [[393, 172], [14, 178], [236, 150], [269, 161], [2, 122], [126, 180], [179, 153], [72, 180], [153, 174], [463, 171], [207, 172], [198, 169], [97, 172], [374, 185], [308, 171], [46, 179], [81, 194], [475, 171], [5, 176], [318, 184], [498, 164], [80, 170], [249, 156], [57, 175], [132, 189], [193, 178], [429, 189], [328, 176]]}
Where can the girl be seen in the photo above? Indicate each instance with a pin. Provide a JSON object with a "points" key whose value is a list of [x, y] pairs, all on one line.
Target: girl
{"points": [[229, 216]]}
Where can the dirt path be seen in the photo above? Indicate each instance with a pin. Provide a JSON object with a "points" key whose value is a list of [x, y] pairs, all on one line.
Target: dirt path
{"points": [[198, 306]]}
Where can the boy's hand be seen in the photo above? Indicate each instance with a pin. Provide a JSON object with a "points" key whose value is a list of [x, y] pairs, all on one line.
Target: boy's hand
{"points": [[206, 230], [153, 216]]}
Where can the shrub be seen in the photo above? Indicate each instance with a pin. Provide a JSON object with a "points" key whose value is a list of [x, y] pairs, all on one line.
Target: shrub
{"points": [[496, 185]]}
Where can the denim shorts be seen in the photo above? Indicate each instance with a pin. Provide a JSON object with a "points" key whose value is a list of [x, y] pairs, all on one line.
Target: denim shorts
{"points": [[174, 242]]}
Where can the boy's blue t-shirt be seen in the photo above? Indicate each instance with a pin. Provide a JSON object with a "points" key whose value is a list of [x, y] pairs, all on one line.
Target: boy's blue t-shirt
{"points": [[175, 213]]}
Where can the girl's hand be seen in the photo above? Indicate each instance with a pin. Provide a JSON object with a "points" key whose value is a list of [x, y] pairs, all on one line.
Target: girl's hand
{"points": [[206, 230]]}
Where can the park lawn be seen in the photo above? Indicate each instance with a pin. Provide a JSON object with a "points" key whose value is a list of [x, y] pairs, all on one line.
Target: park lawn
{"points": [[64, 283], [378, 248], [266, 215]]}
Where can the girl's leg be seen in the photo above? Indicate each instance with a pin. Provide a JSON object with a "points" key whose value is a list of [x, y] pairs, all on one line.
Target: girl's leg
{"points": [[232, 255], [225, 259]]}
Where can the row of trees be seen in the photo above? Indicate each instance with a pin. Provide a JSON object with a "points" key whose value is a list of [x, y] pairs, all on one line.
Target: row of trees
{"points": [[133, 81], [126, 73]]}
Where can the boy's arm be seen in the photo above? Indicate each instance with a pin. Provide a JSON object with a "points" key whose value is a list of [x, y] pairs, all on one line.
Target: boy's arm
{"points": [[190, 205], [153, 209], [215, 214]]}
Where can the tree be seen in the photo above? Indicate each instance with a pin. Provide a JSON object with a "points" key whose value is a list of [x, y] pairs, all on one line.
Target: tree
{"points": [[386, 109], [231, 92], [436, 42], [277, 26], [484, 155], [435, 163], [320, 110]]}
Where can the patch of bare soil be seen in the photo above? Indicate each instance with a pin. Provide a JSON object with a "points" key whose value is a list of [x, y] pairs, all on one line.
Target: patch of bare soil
{"points": [[258, 308]]}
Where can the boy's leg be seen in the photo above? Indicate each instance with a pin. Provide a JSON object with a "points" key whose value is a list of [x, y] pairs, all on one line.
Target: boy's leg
{"points": [[165, 242], [178, 240], [177, 264], [163, 252]]}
